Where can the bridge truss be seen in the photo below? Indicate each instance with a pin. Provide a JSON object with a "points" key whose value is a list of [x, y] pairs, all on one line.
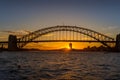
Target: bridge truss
{"points": [[70, 33]]}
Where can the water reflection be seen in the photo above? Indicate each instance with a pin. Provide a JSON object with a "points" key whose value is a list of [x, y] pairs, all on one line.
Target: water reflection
{"points": [[56, 65]]}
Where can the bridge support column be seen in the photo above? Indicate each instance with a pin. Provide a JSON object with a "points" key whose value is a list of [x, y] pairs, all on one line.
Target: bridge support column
{"points": [[12, 43], [118, 43]]}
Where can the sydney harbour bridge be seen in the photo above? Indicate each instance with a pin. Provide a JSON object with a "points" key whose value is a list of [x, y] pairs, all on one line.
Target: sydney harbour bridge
{"points": [[62, 34]]}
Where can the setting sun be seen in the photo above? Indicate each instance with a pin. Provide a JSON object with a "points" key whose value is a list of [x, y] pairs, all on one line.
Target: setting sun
{"points": [[67, 47]]}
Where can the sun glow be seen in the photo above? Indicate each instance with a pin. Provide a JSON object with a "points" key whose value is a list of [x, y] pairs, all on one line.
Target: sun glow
{"points": [[59, 45], [67, 47]]}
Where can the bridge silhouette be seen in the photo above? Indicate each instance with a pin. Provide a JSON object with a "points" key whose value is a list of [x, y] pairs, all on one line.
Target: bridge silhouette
{"points": [[71, 34]]}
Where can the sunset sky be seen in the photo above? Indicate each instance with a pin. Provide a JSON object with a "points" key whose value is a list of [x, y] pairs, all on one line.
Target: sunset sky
{"points": [[23, 16]]}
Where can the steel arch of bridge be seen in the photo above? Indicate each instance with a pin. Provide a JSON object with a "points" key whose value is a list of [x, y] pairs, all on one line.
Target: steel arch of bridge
{"points": [[99, 37]]}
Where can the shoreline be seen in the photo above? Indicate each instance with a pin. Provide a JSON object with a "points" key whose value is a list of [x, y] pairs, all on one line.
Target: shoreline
{"points": [[63, 50]]}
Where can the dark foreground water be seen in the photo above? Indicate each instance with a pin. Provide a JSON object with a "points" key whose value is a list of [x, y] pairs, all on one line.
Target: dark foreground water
{"points": [[58, 65]]}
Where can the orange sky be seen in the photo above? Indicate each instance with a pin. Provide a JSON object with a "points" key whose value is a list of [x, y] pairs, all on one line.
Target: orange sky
{"points": [[59, 45]]}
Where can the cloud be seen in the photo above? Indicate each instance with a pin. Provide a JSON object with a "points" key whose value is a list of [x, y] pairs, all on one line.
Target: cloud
{"points": [[3, 37], [10, 32], [17, 33], [110, 28], [48, 35]]}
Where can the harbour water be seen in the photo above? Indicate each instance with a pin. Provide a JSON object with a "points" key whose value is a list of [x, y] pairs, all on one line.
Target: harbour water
{"points": [[59, 65]]}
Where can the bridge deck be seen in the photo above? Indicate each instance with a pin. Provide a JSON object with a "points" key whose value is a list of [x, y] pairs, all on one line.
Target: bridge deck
{"points": [[61, 41]]}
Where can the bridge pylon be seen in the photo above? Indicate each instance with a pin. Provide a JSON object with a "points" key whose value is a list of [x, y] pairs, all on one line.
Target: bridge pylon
{"points": [[12, 43], [118, 42]]}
